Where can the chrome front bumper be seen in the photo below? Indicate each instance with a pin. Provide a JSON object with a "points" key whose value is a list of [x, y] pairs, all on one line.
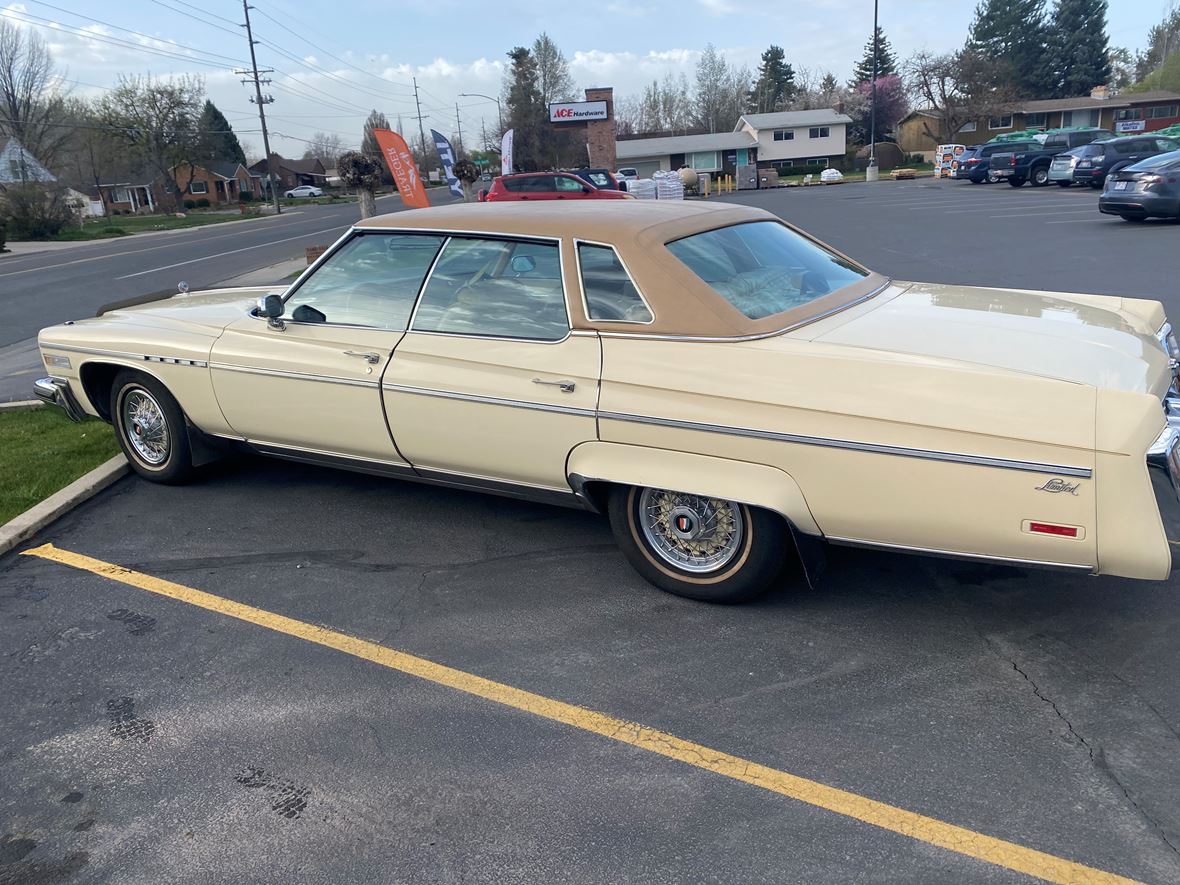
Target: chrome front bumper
{"points": [[56, 392], [1163, 466]]}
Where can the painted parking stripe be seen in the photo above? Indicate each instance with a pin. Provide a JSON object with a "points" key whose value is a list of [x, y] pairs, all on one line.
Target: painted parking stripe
{"points": [[851, 805]]}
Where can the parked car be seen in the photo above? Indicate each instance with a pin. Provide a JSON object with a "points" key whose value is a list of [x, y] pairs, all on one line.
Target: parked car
{"points": [[600, 178], [1033, 163], [1061, 166], [1149, 188], [546, 186], [304, 190], [728, 390], [1098, 159], [627, 173], [976, 165]]}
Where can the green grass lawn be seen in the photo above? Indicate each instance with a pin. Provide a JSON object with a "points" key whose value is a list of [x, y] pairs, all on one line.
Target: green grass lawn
{"points": [[42, 451], [125, 225]]}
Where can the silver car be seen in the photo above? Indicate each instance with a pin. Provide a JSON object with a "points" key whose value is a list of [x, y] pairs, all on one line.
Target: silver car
{"points": [[1061, 169]]}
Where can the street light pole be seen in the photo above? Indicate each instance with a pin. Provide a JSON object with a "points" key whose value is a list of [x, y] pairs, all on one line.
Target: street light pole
{"points": [[873, 89], [499, 112]]}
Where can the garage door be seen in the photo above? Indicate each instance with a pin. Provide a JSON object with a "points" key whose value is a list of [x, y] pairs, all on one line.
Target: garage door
{"points": [[646, 168]]}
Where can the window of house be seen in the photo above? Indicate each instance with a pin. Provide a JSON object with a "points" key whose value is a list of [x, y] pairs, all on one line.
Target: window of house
{"points": [[704, 160], [1129, 114], [372, 281], [817, 161], [819, 132], [1168, 110], [610, 293], [784, 135], [1001, 122], [1036, 121], [198, 187], [969, 126], [122, 195], [496, 288]]}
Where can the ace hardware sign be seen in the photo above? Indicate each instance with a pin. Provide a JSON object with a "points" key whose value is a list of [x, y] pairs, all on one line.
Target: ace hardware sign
{"points": [[577, 111]]}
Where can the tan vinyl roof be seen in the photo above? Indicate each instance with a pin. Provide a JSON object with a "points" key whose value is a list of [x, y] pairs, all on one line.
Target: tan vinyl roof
{"points": [[683, 304]]}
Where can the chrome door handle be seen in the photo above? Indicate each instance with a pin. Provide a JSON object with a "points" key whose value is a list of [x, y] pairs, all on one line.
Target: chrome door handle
{"points": [[367, 356], [565, 386]]}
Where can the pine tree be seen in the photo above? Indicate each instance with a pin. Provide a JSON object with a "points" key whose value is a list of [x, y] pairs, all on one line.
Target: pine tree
{"points": [[1079, 50], [886, 60], [526, 113], [775, 83], [216, 139], [1014, 33]]}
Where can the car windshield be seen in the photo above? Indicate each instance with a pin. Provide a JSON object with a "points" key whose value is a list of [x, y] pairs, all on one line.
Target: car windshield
{"points": [[1089, 150], [763, 267], [1159, 161]]}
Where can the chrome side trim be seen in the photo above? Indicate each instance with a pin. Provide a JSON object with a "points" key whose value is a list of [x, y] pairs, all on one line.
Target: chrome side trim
{"points": [[298, 376], [955, 554], [852, 445], [630, 276], [489, 400], [1163, 469], [139, 357], [759, 336], [333, 459]]}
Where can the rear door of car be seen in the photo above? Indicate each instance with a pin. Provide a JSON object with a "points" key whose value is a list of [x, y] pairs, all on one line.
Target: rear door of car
{"points": [[490, 386], [310, 382]]}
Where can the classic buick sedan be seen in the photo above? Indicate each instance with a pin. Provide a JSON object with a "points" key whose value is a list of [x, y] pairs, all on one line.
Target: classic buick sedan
{"points": [[731, 392]]}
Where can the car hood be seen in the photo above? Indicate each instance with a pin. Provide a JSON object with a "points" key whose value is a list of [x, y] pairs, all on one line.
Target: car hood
{"points": [[213, 309], [1081, 339]]}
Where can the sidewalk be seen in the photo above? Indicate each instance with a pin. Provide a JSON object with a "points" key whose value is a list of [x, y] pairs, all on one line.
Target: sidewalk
{"points": [[265, 276]]}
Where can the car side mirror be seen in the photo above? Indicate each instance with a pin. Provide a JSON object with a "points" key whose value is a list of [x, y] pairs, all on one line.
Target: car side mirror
{"points": [[587, 190], [623, 185], [524, 264], [272, 308], [482, 196]]}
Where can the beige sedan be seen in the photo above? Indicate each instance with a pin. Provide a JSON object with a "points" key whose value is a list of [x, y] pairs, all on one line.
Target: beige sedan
{"points": [[730, 391]]}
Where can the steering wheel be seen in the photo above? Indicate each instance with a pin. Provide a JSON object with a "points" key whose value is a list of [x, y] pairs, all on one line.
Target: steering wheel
{"points": [[814, 283]]}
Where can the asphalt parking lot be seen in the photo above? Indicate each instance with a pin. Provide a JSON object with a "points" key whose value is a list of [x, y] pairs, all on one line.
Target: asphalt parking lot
{"points": [[223, 690]]}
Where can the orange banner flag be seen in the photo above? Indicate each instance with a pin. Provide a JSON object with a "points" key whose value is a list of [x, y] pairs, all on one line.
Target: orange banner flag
{"points": [[405, 171]]}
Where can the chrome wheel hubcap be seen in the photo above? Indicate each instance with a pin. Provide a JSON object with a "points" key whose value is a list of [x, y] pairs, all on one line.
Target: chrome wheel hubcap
{"points": [[690, 532], [144, 426]]}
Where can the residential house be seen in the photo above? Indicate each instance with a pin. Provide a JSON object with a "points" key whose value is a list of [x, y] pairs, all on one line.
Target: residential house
{"points": [[221, 182], [791, 139], [715, 152], [1126, 113], [18, 166], [290, 173], [127, 190]]}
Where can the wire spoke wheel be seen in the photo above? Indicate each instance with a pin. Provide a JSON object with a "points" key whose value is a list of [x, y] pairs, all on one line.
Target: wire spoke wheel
{"points": [[145, 427], [691, 532]]}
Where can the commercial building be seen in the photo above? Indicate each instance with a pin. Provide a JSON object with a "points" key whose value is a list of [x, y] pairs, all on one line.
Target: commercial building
{"points": [[715, 152]]}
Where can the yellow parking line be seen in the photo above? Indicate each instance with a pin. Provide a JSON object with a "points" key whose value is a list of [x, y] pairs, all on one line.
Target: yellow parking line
{"points": [[888, 817]]}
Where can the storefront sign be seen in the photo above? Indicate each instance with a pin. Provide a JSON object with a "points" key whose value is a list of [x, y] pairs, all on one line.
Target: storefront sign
{"points": [[577, 111], [1130, 126]]}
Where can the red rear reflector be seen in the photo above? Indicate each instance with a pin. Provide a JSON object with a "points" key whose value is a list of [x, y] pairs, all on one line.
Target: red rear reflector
{"points": [[1048, 528]]}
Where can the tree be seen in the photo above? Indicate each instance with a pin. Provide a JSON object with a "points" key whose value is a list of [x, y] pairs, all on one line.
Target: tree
{"points": [[1079, 50], [369, 146], [1162, 40], [216, 139], [892, 105], [157, 120], [526, 112], [554, 81], [886, 60], [721, 92], [324, 146], [363, 172], [32, 105], [774, 85], [93, 150], [957, 88], [1122, 68], [1013, 33]]}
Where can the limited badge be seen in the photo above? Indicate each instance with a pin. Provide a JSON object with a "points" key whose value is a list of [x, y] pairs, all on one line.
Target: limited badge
{"points": [[1057, 486]]}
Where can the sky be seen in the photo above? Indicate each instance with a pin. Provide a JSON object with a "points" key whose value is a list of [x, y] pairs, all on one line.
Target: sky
{"points": [[334, 62]]}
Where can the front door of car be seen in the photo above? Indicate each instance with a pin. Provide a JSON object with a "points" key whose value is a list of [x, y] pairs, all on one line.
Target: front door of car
{"points": [[310, 381], [490, 386]]}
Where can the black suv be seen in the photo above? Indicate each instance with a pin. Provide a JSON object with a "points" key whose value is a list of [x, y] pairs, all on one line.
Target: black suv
{"points": [[976, 166], [1097, 160]]}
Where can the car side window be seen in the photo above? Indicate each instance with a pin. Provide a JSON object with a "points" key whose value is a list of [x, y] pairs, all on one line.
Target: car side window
{"points": [[372, 280], [611, 295], [495, 288], [568, 183], [1163, 144]]}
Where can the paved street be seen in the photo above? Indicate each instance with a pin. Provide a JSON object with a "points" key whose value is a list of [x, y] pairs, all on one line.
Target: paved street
{"points": [[151, 730]]}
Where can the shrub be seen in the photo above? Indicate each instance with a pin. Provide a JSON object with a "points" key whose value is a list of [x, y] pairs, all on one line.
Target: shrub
{"points": [[203, 203], [246, 197], [190, 204], [36, 213], [3, 233]]}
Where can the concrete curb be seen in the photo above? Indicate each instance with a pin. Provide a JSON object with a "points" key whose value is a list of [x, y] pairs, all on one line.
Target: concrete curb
{"points": [[21, 405], [60, 503]]}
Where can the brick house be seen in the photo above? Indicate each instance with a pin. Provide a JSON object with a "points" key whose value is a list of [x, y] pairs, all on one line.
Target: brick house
{"points": [[220, 182], [290, 173], [1124, 114]]}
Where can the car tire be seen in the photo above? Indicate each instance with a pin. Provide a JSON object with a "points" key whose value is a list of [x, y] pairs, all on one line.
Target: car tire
{"points": [[992, 178], [1065, 184], [1040, 176], [1016, 182], [734, 567], [150, 428]]}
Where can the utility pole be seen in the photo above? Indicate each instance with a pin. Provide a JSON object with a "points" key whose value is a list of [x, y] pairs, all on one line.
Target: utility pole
{"points": [[873, 86], [459, 126], [262, 102], [421, 131]]}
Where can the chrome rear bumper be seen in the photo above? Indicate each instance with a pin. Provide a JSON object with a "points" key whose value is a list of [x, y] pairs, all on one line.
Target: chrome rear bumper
{"points": [[56, 392], [1163, 466]]}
